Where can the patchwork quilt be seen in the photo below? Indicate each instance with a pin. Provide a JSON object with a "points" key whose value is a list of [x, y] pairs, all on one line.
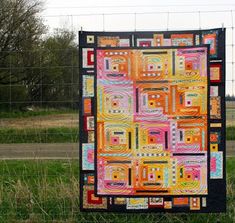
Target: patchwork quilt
{"points": [[152, 121]]}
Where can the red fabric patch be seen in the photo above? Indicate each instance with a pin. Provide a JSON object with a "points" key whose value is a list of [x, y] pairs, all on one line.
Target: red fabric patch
{"points": [[92, 199]]}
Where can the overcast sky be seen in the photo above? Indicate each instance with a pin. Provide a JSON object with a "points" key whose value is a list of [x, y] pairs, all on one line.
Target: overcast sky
{"points": [[55, 9], [124, 15]]}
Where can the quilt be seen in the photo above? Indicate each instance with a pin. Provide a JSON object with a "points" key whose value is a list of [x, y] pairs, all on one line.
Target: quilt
{"points": [[152, 121]]}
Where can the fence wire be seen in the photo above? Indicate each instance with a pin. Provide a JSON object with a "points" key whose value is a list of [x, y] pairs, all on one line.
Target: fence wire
{"points": [[44, 92]]}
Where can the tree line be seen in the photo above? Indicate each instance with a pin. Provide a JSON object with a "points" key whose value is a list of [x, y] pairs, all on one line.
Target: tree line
{"points": [[230, 97], [36, 68]]}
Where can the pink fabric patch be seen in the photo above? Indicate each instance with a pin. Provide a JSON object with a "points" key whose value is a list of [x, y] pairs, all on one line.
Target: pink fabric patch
{"points": [[90, 156], [213, 164]]}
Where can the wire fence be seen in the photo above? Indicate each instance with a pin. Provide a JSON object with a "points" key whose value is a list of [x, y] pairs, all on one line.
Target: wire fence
{"points": [[158, 21], [61, 91]]}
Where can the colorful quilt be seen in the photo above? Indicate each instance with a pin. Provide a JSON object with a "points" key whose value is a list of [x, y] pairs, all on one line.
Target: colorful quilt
{"points": [[152, 123]]}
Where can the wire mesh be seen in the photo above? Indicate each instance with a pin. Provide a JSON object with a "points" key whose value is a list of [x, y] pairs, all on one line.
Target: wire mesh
{"points": [[45, 90]]}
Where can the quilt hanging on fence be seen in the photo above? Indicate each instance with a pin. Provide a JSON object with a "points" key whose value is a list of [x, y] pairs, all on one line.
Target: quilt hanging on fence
{"points": [[152, 121]]}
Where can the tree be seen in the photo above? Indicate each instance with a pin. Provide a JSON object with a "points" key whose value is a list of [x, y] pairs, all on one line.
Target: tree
{"points": [[50, 73], [21, 29], [35, 70], [60, 80], [21, 26], [230, 97]]}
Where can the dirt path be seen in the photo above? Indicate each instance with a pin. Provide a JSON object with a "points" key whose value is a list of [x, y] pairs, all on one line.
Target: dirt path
{"points": [[57, 151], [57, 120], [39, 151]]}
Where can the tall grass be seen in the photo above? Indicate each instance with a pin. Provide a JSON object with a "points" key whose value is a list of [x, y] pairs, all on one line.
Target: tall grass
{"points": [[48, 191]]}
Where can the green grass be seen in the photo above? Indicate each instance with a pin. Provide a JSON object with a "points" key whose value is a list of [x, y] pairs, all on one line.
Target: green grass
{"points": [[37, 135], [48, 191], [230, 133], [38, 112]]}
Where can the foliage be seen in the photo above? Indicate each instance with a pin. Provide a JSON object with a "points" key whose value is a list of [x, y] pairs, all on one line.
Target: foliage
{"points": [[230, 97], [35, 69], [21, 30]]}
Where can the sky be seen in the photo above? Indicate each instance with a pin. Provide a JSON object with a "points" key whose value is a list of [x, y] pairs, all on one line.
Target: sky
{"points": [[100, 14], [130, 15]]}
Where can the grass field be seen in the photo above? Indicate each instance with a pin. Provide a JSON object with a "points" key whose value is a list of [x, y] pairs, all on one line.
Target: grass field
{"points": [[39, 135], [48, 191]]}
